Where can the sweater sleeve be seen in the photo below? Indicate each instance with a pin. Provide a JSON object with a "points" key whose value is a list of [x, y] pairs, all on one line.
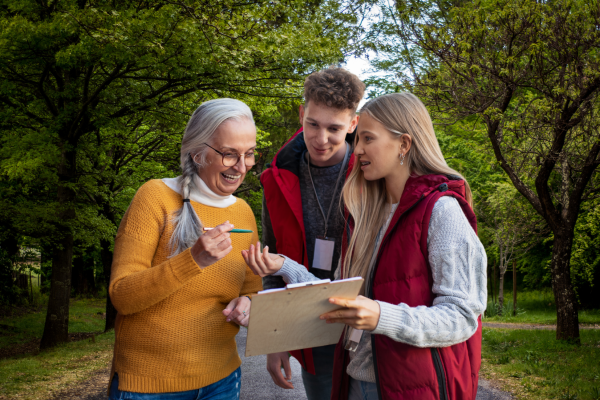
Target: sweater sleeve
{"points": [[458, 263], [135, 284], [293, 272], [268, 239]]}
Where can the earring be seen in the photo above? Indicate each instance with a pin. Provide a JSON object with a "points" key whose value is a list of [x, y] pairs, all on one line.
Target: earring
{"points": [[402, 159]]}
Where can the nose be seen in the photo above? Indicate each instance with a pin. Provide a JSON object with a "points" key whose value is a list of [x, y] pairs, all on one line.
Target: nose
{"points": [[358, 150], [322, 137], [241, 166]]}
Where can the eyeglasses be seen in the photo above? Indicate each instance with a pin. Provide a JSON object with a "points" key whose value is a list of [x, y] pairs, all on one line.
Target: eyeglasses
{"points": [[230, 159]]}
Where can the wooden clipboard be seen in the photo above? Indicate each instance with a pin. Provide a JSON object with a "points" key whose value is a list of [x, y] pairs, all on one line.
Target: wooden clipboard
{"points": [[288, 319]]}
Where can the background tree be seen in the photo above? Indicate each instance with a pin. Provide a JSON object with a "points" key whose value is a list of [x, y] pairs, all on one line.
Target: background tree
{"points": [[85, 82], [529, 71], [513, 226]]}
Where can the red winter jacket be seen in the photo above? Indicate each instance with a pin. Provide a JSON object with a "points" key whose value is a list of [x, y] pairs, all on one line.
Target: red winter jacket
{"points": [[281, 184], [403, 275]]}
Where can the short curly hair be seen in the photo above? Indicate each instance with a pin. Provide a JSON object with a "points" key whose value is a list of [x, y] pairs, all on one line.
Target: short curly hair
{"points": [[334, 87]]}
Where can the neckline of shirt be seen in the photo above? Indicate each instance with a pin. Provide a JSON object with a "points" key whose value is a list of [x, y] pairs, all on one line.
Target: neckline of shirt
{"points": [[316, 170], [201, 193]]}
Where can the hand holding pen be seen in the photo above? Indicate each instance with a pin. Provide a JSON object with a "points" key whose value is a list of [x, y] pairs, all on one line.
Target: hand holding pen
{"points": [[213, 245]]}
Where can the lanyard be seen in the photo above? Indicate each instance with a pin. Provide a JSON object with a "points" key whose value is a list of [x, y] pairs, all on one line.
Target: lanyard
{"points": [[326, 218]]}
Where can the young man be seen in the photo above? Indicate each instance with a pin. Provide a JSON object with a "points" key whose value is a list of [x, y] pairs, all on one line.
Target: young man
{"points": [[301, 204]]}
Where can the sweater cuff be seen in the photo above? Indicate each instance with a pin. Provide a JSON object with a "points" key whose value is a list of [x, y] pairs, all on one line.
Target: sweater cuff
{"points": [[390, 322], [184, 266], [290, 270]]}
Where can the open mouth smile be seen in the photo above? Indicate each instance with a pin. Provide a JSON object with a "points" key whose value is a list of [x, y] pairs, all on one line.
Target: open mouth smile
{"points": [[231, 178]]}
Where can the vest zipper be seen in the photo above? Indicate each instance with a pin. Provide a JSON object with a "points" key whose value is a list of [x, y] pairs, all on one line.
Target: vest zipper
{"points": [[379, 396], [370, 296], [439, 371]]}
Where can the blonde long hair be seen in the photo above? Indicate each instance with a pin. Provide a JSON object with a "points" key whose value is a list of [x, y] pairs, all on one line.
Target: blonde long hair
{"points": [[367, 201]]}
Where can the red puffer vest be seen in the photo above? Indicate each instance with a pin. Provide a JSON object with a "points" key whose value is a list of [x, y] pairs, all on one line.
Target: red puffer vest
{"points": [[281, 184], [403, 275]]}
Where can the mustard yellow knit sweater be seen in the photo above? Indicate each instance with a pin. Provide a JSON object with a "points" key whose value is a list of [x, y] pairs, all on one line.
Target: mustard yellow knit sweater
{"points": [[170, 332]]}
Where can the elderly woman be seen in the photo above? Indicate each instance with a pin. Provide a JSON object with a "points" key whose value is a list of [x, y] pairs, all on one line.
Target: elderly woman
{"points": [[180, 288]]}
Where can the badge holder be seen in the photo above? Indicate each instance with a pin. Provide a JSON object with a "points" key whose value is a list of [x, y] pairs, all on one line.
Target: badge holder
{"points": [[354, 339], [323, 255]]}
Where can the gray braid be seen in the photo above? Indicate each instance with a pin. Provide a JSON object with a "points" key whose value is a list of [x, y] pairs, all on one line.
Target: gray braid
{"points": [[188, 226], [199, 130]]}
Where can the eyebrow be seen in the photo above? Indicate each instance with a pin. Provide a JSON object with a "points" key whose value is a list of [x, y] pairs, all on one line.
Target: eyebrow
{"points": [[332, 125], [365, 131], [236, 150]]}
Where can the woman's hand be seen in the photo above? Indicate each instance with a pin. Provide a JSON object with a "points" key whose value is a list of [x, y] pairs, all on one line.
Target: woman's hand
{"points": [[262, 263], [238, 311], [362, 313], [213, 245], [277, 361]]}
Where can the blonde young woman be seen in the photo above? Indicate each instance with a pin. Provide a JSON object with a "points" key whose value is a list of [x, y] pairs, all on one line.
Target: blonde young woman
{"points": [[413, 239]]}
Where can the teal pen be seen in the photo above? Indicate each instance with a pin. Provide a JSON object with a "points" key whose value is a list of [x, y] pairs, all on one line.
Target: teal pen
{"points": [[234, 230]]}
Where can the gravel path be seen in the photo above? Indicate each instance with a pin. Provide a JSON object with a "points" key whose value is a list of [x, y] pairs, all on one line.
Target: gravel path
{"points": [[256, 382]]}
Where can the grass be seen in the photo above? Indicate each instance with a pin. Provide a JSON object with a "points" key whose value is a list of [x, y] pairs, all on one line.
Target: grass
{"points": [[34, 377], [534, 307], [85, 315], [38, 375], [534, 365]]}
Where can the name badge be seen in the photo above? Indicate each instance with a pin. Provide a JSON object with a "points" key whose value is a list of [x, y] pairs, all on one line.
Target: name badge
{"points": [[354, 339], [323, 257]]}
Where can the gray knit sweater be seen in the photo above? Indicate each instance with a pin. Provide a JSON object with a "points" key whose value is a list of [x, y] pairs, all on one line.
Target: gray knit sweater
{"points": [[458, 264]]}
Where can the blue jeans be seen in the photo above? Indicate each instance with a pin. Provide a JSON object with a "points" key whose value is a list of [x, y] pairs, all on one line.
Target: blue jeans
{"points": [[226, 389], [360, 390], [318, 386]]}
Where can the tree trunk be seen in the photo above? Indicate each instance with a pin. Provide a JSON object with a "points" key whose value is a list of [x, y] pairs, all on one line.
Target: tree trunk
{"points": [[56, 328], [111, 312], [566, 302], [83, 275], [501, 292], [494, 284], [45, 272], [77, 276], [89, 277], [514, 288]]}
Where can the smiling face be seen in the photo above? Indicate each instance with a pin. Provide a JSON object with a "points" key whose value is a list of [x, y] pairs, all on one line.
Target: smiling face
{"points": [[232, 136], [325, 130], [378, 151]]}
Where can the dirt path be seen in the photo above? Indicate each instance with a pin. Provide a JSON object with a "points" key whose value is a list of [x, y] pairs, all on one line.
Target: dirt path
{"points": [[256, 383], [508, 325]]}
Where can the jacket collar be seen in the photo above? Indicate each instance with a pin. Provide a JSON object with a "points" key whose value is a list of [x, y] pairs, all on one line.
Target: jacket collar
{"points": [[419, 187]]}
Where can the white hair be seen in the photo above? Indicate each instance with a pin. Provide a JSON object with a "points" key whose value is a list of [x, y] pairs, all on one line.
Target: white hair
{"points": [[200, 129]]}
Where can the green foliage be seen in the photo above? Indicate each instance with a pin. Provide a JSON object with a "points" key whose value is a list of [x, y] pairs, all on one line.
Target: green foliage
{"points": [[534, 307], [585, 257], [522, 76], [541, 367]]}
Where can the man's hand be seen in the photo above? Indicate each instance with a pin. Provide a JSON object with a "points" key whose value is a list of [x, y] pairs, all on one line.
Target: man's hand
{"points": [[362, 313], [275, 362], [212, 245], [238, 311], [262, 263]]}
